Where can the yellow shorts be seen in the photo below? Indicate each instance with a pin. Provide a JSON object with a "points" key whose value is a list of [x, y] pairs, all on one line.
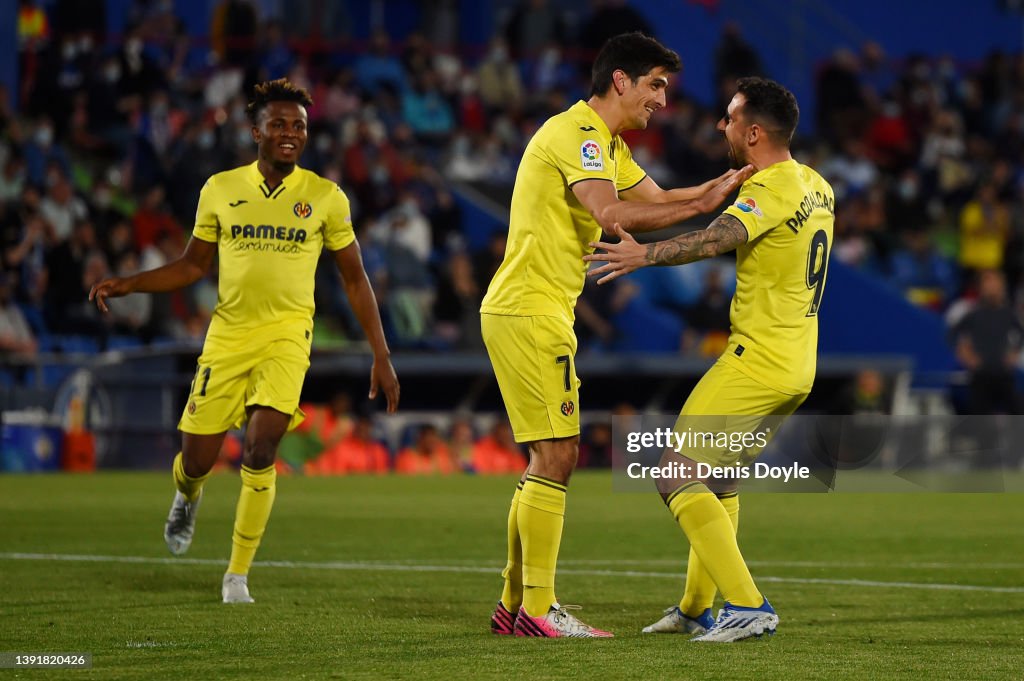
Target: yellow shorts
{"points": [[231, 378], [742, 414], [533, 360]]}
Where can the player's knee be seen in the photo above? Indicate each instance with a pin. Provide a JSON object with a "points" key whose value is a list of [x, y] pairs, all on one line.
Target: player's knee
{"points": [[554, 459], [259, 453]]}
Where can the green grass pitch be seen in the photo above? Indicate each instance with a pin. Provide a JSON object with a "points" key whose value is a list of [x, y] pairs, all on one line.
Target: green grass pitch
{"points": [[362, 578]]}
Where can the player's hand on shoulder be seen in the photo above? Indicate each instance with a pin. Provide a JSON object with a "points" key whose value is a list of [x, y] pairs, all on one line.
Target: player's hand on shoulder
{"points": [[728, 183], [109, 288], [383, 377]]}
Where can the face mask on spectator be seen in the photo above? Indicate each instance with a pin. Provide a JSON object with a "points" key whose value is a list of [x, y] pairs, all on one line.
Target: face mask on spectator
{"points": [[205, 139], [44, 136], [908, 190], [102, 198]]}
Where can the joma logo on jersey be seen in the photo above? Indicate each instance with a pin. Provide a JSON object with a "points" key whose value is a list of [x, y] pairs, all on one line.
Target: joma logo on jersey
{"points": [[268, 232], [302, 210], [568, 408]]}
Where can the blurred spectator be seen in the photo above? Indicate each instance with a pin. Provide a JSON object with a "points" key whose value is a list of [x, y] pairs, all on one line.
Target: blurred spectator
{"points": [[708, 331], [988, 343], [609, 18], [985, 228], [152, 219], [734, 58], [80, 19], [461, 443], [501, 87], [66, 264], [357, 452], [16, 337], [131, 314], [275, 58], [867, 393], [596, 446], [428, 455], [533, 25], [406, 226], [548, 73], [922, 274], [139, 72], [61, 208], [877, 73], [42, 151], [426, 111], [233, 32], [378, 68], [842, 109], [595, 309], [851, 171], [324, 427], [497, 452], [457, 307]]}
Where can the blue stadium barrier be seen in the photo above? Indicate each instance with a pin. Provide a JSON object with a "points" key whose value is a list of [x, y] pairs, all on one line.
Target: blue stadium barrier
{"points": [[861, 315]]}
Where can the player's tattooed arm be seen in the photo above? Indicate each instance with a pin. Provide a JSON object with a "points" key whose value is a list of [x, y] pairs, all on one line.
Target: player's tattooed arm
{"points": [[724, 234]]}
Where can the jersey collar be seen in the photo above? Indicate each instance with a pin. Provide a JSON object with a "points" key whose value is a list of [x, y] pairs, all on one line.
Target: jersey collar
{"points": [[261, 182], [583, 109]]}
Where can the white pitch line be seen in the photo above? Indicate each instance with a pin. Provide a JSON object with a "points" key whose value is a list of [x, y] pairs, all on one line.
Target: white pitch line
{"points": [[480, 569], [808, 564]]}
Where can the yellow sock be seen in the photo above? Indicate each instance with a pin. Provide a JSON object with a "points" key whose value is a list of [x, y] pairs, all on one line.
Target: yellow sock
{"points": [[706, 524], [700, 588], [254, 503], [512, 594], [540, 516], [190, 487]]}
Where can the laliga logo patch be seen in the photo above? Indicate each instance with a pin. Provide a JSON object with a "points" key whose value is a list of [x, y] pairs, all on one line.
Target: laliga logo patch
{"points": [[302, 210], [591, 157], [749, 205], [568, 408]]}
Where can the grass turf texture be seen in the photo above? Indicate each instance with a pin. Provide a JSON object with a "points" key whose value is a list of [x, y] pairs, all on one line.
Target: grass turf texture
{"points": [[621, 556]]}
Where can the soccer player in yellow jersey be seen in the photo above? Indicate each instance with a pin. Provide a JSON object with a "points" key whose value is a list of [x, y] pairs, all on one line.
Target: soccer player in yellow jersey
{"points": [[781, 229], [577, 177], [268, 222]]}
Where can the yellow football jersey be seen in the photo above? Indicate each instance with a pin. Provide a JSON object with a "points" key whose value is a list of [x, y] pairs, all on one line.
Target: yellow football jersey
{"points": [[549, 231], [268, 244], [789, 211]]}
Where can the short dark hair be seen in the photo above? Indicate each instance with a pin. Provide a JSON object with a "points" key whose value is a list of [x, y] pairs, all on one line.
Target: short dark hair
{"points": [[772, 105], [280, 90], [635, 54]]}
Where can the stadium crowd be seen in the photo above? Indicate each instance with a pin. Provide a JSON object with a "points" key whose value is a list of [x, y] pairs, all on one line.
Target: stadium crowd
{"points": [[103, 156]]}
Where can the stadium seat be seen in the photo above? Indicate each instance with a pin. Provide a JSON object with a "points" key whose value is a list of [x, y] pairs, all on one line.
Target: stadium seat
{"points": [[644, 327]]}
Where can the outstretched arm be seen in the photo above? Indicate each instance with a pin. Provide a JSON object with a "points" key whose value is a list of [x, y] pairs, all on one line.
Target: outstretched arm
{"points": [[187, 269], [360, 295], [649, 190], [601, 199], [724, 234]]}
